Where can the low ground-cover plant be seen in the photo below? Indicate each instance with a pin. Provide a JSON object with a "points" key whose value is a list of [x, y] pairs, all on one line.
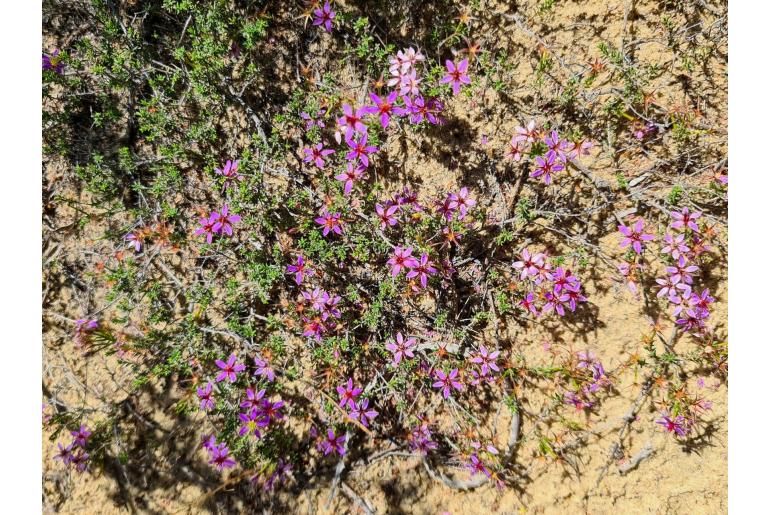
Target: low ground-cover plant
{"points": [[310, 309]]}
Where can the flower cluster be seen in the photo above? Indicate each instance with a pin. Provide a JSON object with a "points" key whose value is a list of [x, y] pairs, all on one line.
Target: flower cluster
{"points": [[550, 152], [547, 288], [358, 409], [75, 453], [421, 438], [487, 364], [220, 222], [324, 305], [259, 412], [681, 249]]}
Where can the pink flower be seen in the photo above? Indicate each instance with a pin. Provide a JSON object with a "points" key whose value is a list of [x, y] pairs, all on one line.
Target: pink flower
{"points": [[402, 258], [134, 241], [316, 154], [529, 265], [446, 382], [387, 215], [634, 236], [324, 16], [401, 348], [686, 219], [384, 108], [229, 370], [456, 75], [351, 121], [229, 172], [299, 269], [360, 150], [423, 269], [487, 360], [353, 175], [225, 221], [348, 394], [330, 222]]}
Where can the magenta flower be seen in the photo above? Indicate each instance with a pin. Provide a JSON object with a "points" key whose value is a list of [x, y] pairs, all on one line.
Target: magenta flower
{"points": [[64, 453], [361, 413], [402, 258], [571, 295], [387, 215], [417, 107], [330, 222], [675, 245], [423, 269], [299, 269], [529, 265], [316, 154], [487, 360], [384, 108], [348, 394], [456, 75], [250, 424], [80, 460], [577, 400], [324, 16], [220, 458], [447, 381], [230, 173], [529, 304], [702, 300], [80, 436], [204, 395], [553, 303], [401, 348], [334, 443], [409, 83], [634, 236], [329, 307], [230, 369], [314, 328], [253, 400], [475, 466], [351, 121], [225, 221], [545, 166], [360, 150], [681, 272], [686, 219], [351, 176], [207, 227], [557, 147], [462, 201], [311, 122], [264, 369], [562, 279], [676, 425], [134, 241]]}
